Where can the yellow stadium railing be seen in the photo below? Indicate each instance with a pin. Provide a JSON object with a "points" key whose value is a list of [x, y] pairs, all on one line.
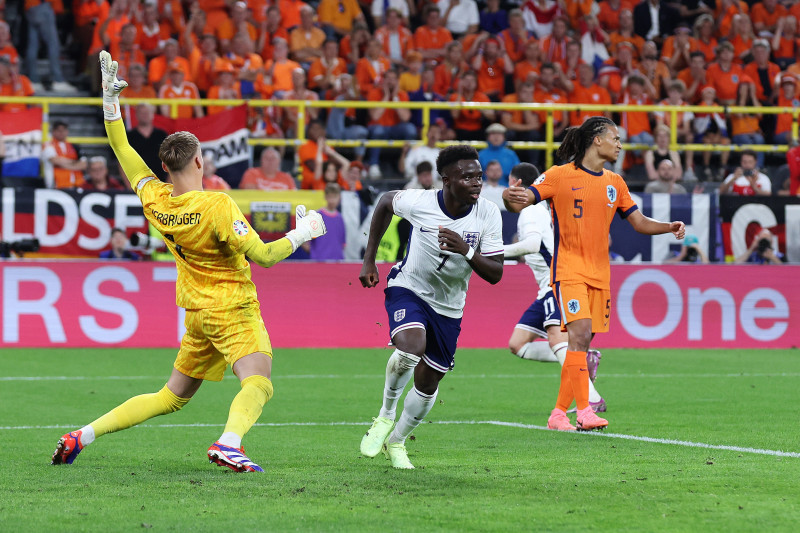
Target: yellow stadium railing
{"points": [[549, 144]]}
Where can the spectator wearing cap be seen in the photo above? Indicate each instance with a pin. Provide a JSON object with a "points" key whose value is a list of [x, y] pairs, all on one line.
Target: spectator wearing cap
{"points": [[146, 139], [787, 97], [151, 33], [784, 42], [396, 39], [326, 70], [42, 27], [98, 179], [158, 68], [235, 24], [704, 39], [62, 163], [694, 77], [305, 41], [677, 48], [338, 16], [711, 128], [299, 92], [278, 70], [523, 125], [724, 74], [268, 176], [386, 123], [586, 91], [270, 29], [411, 78], [411, 157], [225, 87], [431, 39], [460, 17], [468, 123], [625, 34], [611, 12], [212, 182], [496, 150], [371, 68], [741, 36], [248, 66], [554, 44], [448, 73], [13, 84], [492, 65], [766, 14], [423, 178], [176, 87], [7, 49], [653, 19], [540, 16], [745, 127]]}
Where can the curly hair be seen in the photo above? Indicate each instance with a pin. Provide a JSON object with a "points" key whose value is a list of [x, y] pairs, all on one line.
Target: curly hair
{"points": [[454, 154]]}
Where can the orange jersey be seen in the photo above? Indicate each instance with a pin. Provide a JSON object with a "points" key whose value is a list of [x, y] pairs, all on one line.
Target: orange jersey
{"points": [[269, 37], [787, 48], [709, 48], [553, 96], [742, 124], [491, 78], [157, 69], [635, 122], [759, 13], [19, 85], [784, 121], [389, 117], [446, 78], [370, 73], [187, 91], [582, 205], [773, 71], [608, 17], [724, 82], [587, 95], [425, 39], [523, 69], [320, 67], [636, 40], [469, 119], [515, 46]]}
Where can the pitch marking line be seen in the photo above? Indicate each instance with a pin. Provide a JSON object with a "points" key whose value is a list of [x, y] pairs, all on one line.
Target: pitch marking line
{"points": [[674, 442]]}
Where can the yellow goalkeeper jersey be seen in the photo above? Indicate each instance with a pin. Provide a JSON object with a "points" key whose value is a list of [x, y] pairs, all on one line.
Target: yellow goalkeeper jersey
{"points": [[206, 232]]}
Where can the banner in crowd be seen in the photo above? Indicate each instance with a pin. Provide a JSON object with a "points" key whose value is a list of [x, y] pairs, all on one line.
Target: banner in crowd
{"points": [[743, 217], [80, 304], [223, 135], [22, 134], [68, 222]]}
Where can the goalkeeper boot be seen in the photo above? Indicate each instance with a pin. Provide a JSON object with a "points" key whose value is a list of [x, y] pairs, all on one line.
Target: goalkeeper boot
{"points": [[587, 420], [560, 421], [592, 362], [233, 458], [397, 454], [68, 448], [373, 440]]}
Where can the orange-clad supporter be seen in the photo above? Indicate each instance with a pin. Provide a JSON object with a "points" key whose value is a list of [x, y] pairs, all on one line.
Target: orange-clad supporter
{"points": [[88, 14], [137, 83], [13, 84], [468, 123], [371, 67], [492, 65], [290, 12], [204, 61], [431, 39], [150, 32], [786, 98], [172, 15], [299, 92], [307, 153], [157, 69], [352, 178], [547, 91], [765, 15], [249, 66], [264, 122], [278, 71], [258, 10], [212, 182], [554, 46], [194, 30], [176, 86], [411, 79], [675, 92], [676, 48], [225, 88], [7, 49], [694, 77], [354, 46], [615, 70], [305, 41], [270, 29], [127, 52], [540, 16], [576, 10], [745, 127], [609, 13], [625, 34], [742, 37], [395, 38], [448, 72], [107, 31], [237, 23], [527, 69], [388, 123], [764, 72], [654, 70], [785, 42], [62, 164], [573, 60], [724, 75], [339, 15], [586, 91], [523, 125], [334, 169], [216, 11], [636, 123], [704, 39], [794, 10], [711, 128], [726, 10], [516, 38], [268, 176], [326, 70]]}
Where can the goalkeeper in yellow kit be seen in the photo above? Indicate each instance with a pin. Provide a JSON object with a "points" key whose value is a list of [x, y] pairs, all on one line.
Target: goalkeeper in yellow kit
{"points": [[210, 238]]}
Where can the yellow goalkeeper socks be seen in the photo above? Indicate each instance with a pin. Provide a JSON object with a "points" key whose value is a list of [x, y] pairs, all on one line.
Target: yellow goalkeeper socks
{"points": [[137, 410], [245, 409]]}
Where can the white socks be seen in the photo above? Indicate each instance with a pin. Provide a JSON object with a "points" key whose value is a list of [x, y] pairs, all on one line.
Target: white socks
{"points": [[231, 439], [415, 407], [87, 435], [537, 351], [399, 370]]}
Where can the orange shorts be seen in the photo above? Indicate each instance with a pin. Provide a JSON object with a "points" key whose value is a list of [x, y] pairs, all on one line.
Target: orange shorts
{"points": [[219, 337], [578, 300]]}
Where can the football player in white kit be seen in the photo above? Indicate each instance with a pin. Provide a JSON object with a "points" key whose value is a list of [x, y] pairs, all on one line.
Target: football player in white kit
{"points": [[543, 317], [454, 232]]}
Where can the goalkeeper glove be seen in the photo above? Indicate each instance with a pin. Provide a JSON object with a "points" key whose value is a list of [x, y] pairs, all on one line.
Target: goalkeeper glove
{"points": [[309, 226], [111, 87]]}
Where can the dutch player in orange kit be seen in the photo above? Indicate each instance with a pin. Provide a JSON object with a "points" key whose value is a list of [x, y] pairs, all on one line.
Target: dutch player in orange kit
{"points": [[209, 237], [583, 198]]}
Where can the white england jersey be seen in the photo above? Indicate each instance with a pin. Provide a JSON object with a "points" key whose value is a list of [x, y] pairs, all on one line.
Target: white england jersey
{"points": [[441, 278], [536, 220]]}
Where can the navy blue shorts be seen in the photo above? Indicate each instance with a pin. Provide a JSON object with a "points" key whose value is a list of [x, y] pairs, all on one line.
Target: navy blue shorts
{"points": [[542, 313], [406, 310]]}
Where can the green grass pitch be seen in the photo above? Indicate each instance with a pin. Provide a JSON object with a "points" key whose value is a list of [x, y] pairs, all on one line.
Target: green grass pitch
{"points": [[472, 474]]}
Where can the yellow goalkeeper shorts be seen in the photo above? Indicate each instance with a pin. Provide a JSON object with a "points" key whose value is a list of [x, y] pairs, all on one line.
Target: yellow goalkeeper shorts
{"points": [[219, 337]]}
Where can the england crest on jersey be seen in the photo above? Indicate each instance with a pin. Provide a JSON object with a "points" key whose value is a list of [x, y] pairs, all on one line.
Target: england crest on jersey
{"points": [[471, 238], [399, 315], [611, 192]]}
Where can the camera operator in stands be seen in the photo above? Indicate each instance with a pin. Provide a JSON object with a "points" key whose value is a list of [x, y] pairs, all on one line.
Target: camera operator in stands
{"points": [[119, 245], [746, 180], [762, 250], [690, 252]]}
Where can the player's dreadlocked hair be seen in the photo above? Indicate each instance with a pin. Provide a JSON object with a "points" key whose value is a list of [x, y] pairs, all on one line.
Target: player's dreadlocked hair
{"points": [[454, 154], [525, 172], [578, 139]]}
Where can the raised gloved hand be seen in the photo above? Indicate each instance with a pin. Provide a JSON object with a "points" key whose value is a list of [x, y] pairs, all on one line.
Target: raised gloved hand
{"points": [[309, 226], [111, 86]]}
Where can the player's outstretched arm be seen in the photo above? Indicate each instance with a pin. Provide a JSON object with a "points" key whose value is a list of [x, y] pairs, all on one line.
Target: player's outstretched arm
{"points": [[516, 197], [489, 268], [266, 254], [528, 245], [381, 218], [133, 165], [649, 226]]}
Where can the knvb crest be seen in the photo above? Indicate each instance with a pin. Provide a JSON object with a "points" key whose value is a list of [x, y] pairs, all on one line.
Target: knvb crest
{"points": [[472, 238], [573, 306], [399, 315], [611, 192]]}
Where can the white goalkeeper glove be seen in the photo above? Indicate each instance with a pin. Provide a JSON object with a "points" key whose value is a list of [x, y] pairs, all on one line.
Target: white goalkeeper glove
{"points": [[309, 226], [111, 87]]}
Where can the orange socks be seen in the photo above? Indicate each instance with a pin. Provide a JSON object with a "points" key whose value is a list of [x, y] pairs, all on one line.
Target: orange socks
{"points": [[575, 363], [565, 395]]}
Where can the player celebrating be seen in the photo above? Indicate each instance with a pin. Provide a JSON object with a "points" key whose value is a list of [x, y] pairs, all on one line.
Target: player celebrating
{"points": [[583, 197], [542, 318], [209, 237], [454, 231]]}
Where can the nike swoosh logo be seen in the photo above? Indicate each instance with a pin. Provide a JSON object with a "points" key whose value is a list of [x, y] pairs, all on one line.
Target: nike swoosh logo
{"points": [[582, 369], [428, 230], [577, 188]]}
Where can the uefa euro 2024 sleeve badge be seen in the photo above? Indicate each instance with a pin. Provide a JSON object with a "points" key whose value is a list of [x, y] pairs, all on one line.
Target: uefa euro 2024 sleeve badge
{"points": [[240, 228]]}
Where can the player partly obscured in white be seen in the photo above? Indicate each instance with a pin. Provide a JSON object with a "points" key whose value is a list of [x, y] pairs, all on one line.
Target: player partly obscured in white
{"points": [[543, 317], [454, 232]]}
